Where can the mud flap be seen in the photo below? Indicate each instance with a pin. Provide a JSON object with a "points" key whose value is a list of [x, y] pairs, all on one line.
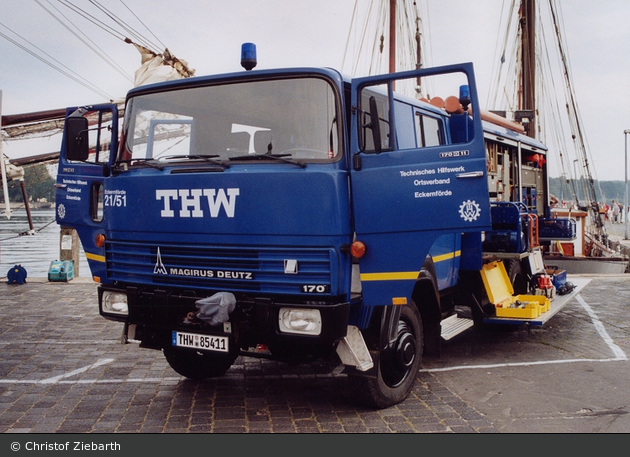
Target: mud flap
{"points": [[353, 351]]}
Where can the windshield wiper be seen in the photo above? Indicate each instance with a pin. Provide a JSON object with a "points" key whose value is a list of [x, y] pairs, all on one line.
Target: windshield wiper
{"points": [[121, 165], [280, 157], [196, 157]]}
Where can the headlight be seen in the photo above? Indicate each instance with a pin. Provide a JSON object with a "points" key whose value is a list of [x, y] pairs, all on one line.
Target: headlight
{"points": [[114, 303], [302, 321]]}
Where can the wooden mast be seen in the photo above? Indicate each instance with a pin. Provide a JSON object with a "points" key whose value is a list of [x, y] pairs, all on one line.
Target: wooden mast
{"points": [[392, 36], [392, 39], [527, 96]]}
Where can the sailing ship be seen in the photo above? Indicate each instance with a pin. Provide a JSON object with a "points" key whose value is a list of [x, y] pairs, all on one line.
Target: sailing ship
{"points": [[529, 77]]}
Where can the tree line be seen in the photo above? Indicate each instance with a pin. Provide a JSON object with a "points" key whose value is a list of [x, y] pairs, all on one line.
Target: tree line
{"points": [[605, 191], [38, 182]]}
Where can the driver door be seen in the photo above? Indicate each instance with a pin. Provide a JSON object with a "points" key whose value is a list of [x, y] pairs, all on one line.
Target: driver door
{"points": [[88, 149]]}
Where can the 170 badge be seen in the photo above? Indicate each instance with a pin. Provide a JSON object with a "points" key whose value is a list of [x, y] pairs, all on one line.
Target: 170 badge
{"points": [[315, 288]]}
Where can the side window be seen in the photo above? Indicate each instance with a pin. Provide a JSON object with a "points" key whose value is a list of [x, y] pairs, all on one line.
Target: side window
{"points": [[100, 136], [428, 131], [432, 131], [96, 202], [405, 129]]}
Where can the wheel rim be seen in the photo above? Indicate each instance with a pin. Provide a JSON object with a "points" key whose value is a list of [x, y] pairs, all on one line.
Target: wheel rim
{"points": [[399, 360]]}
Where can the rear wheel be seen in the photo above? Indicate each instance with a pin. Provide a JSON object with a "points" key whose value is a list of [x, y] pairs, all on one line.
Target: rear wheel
{"points": [[398, 365], [194, 364]]}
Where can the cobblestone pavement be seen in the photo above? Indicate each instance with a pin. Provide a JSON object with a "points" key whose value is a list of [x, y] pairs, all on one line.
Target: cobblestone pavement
{"points": [[63, 370], [568, 376]]}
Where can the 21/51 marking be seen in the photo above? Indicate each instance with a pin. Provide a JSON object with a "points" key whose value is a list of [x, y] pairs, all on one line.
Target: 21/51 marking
{"points": [[115, 200], [315, 288]]}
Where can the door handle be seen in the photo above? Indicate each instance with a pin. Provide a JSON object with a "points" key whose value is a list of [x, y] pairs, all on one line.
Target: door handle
{"points": [[470, 174]]}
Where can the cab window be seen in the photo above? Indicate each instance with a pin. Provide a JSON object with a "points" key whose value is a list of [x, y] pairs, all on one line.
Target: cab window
{"points": [[428, 131]]}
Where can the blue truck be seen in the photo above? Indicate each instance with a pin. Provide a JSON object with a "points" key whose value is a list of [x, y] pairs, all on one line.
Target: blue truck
{"points": [[298, 214]]}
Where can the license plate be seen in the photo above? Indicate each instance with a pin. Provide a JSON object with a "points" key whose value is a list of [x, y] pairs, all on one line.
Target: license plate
{"points": [[203, 342]]}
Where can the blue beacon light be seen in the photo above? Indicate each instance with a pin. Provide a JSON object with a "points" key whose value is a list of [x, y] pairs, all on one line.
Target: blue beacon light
{"points": [[464, 96], [248, 56]]}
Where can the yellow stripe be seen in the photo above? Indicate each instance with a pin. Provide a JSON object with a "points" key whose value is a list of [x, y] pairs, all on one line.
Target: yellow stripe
{"points": [[98, 258], [450, 255], [405, 275], [395, 276]]}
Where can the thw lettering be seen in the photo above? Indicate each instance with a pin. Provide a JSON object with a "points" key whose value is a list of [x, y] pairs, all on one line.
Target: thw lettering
{"points": [[190, 201]]}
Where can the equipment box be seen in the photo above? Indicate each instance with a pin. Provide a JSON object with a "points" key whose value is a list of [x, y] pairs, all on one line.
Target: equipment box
{"points": [[557, 229], [500, 292], [558, 277], [61, 270]]}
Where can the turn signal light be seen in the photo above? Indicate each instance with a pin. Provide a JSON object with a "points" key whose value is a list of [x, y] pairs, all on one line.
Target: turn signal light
{"points": [[100, 240], [357, 249]]}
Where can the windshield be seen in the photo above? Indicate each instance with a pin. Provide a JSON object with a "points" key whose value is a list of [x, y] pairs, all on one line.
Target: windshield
{"points": [[294, 117]]}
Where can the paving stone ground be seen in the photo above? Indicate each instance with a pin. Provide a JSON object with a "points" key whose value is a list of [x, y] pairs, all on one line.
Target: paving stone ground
{"points": [[63, 370]]}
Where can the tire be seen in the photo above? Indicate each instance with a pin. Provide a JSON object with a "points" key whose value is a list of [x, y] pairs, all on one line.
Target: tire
{"points": [[194, 364], [517, 277], [398, 367]]}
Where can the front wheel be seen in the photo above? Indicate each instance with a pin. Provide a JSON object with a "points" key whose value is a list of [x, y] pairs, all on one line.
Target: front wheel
{"points": [[194, 364], [398, 364]]}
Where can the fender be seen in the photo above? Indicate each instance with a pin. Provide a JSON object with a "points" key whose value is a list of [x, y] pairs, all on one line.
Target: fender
{"points": [[426, 296], [383, 328]]}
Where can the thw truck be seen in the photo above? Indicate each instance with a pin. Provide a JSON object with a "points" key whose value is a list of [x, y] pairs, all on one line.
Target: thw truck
{"points": [[298, 214]]}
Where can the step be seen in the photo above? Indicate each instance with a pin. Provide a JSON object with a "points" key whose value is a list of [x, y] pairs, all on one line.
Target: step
{"points": [[453, 325]]}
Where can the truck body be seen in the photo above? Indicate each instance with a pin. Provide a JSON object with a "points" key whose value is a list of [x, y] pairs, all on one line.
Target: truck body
{"points": [[298, 214]]}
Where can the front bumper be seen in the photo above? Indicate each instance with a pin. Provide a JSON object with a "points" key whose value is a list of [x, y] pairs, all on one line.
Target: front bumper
{"points": [[155, 313]]}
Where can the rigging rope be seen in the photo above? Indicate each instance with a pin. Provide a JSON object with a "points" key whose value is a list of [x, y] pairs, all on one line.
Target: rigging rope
{"points": [[138, 37], [367, 34], [560, 127], [493, 94], [140, 40], [69, 73], [145, 26], [93, 20], [94, 47], [572, 109]]}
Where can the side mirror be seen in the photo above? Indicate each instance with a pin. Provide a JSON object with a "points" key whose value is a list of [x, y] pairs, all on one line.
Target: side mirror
{"points": [[375, 125], [76, 133]]}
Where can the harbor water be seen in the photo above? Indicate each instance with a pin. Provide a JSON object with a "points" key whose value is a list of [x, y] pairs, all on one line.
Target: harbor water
{"points": [[34, 252]]}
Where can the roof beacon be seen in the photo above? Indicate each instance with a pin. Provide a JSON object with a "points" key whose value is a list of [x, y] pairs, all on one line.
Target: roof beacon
{"points": [[464, 96], [248, 56]]}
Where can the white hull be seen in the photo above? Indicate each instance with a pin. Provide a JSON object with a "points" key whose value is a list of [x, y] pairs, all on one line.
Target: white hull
{"points": [[587, 265]]}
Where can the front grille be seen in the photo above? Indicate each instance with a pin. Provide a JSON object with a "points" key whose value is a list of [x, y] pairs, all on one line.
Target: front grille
{"points": [[229, 268]]}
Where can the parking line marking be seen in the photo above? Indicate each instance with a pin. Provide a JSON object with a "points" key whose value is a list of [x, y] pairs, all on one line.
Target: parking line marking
{"points": [[55, 379], [601, 330], [518, 364], [619, 355]]}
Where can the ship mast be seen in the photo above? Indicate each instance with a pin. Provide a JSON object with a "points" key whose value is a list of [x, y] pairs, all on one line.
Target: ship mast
{"points": [[527, 94], [392, 36], [526, 99]]}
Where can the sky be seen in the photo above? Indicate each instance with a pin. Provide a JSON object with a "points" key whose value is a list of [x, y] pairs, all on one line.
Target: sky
{"points": [[289, 33]]}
